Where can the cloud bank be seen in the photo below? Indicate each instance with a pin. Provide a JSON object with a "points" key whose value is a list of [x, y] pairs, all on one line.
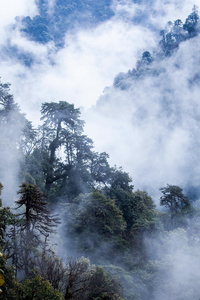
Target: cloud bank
{"points": [[152, 128], [129, 125], [90, 59]]}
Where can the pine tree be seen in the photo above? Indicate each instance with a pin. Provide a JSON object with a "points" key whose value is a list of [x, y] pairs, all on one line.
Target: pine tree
{"points": [[36, 223]]}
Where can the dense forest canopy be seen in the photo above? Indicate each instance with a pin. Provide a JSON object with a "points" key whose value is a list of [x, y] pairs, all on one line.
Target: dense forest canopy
{"points": [[77, 228]]}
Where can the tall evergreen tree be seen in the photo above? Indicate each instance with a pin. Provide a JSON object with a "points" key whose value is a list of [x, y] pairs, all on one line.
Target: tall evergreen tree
{"points": [[36, 223]]}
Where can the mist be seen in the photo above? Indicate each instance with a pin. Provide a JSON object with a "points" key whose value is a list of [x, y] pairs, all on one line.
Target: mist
{"points": [[152, 127], [90, 59], [149, 126]]}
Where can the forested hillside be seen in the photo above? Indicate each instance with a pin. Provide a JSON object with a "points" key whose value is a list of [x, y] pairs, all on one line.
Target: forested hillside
{"points": [[77, 228], [56, 18], [152, 112], [53, 21]]}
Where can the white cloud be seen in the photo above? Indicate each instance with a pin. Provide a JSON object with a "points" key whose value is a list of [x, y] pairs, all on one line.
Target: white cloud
{"points": [[89, 61], [91, 58], [9, 9], [152, 129], [154, 12], [81, 70], [169, 10], [126, 9]]}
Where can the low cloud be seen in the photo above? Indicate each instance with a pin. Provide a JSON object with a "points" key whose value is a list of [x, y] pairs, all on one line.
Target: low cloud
{"points": [[10, 9], [129, 125], [91, 58], [79, 72], [152, 129], [177, 260]]}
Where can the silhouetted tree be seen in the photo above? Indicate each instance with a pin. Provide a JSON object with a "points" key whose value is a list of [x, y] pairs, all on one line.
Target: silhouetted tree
{"points": [[191, 22], [174, 199], [176, 202], [87, 282], [36, 223]]}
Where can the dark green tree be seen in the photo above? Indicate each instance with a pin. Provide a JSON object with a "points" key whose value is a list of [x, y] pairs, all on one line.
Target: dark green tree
{"points": [[90, 282], [143, 212], [16, 139], [8, 221], [14, 125], [5, 221], [36, 223], [63, 162], [121, 190], [176, 202], [174, 199], [104, 286], [191, 23], [61, 123], [138, 210], [100, 169], [96, 220], [7, 272], [35, 288]]}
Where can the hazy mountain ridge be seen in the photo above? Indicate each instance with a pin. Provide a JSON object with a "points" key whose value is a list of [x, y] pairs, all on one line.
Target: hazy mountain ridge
{"points": [[51, 24], [175, 33], [152, 112], [54, 20]]}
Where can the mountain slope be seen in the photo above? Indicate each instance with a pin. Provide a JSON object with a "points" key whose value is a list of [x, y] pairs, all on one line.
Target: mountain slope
{"points": [[151, 114]]}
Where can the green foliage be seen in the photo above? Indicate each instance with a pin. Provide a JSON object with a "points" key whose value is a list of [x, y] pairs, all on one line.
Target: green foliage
{"points": [[34, 167], [104, 286], [89, 282], [174, 199], [100, 169], [36, 288], [54, 114], [121, 191], [120, 179], [62, 162], [53, 23], [137, 207], [36, 215], [34, 226], [177, 203], [6, 278], [143, 211], [191, 22], [15, 128], [138, 282], [96, 220], [7, 220], [61, 120], [103, 223], [179, 208]]}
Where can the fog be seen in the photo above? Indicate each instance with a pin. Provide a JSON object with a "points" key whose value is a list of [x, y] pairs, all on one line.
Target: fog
{"points": [[150, 127], [132, 125], [90, 58], [153, 126]]}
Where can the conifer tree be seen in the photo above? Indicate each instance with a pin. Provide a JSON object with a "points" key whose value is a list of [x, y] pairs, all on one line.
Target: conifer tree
{"points": [[36, 223]]}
